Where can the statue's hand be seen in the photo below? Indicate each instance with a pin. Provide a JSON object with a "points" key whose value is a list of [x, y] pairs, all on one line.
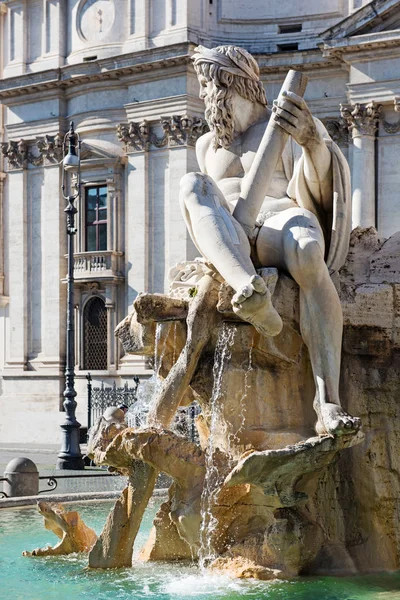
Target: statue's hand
{"points": [[292, 114]]}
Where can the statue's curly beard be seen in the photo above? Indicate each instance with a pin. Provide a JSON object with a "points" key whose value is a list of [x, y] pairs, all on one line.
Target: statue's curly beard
{"points": [[218, 114]]}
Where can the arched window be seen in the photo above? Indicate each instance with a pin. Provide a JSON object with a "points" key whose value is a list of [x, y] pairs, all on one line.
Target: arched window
{"points": [[95, 335]]}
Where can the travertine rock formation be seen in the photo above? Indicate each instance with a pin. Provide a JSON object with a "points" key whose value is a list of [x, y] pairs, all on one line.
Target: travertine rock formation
{"points": [[280, 501], [367, 480]]}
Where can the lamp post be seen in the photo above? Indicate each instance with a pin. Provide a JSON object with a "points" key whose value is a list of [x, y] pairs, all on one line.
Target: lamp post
{"points": [[70, 456]]}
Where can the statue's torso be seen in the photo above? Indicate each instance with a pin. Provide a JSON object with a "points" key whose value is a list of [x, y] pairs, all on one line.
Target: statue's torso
{"points": [[228, 167]]}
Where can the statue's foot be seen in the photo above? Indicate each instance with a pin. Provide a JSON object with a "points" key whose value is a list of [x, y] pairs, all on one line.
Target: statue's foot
{"points": [[253, 304], [332, 419]]}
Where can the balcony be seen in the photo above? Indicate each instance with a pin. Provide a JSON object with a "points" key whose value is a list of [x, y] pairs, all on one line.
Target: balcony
{"points": [[91, 266]]}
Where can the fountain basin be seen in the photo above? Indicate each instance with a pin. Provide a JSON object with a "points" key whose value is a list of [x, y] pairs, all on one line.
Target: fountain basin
{"points": [[62, 578]]}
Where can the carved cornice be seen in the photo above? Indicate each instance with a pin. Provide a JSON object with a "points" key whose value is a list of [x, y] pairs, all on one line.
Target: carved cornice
{"points": [[46, 151], [178, 131], [338, 129], [362, 119]]}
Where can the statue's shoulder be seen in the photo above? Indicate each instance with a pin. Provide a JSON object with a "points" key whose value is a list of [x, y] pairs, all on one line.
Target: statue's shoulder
{"points": [[202, 145], [204, 141]]}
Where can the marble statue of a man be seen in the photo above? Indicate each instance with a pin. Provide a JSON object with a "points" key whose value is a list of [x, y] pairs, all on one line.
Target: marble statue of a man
{"points": [[303, 225]]}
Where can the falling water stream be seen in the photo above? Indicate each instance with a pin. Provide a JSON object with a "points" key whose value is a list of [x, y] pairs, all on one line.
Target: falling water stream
{"points": [[148, 390], [222, 356]]}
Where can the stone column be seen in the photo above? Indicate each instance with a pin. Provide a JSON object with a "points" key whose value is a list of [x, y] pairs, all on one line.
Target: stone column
{"points": [[363, 120]]}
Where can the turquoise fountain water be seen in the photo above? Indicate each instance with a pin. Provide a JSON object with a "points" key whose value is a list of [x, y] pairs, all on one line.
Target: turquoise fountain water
{"points": [[67, 577]]}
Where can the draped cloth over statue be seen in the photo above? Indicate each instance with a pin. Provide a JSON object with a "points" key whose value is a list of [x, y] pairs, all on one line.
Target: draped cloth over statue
{"points": [[335, 223]]}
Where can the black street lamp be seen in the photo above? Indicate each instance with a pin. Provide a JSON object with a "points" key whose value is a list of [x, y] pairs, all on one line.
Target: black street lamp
{"points": [[70, 456]]}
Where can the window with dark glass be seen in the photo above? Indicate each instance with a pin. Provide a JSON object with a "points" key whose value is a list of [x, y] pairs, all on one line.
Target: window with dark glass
{"points": [[95, 335], [96, 218]]}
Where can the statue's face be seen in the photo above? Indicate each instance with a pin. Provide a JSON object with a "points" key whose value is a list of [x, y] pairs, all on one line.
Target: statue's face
{"points": [[206, 89], [218, 110]]}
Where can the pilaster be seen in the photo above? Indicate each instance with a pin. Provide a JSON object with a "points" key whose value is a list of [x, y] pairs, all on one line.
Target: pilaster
{"points": [[112, 322], [17, 25], [53, 33], [136, 226], [139, 25], [363, 120], [54, 268], [16, 357]]}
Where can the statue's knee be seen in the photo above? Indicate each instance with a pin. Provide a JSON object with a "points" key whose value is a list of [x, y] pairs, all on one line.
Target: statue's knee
{"points": [[195, 190], [306, 260], [193, 183]]}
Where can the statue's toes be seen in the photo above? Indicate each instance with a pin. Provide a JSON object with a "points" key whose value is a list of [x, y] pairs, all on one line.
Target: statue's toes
{"points": [[345, 425], [242, 295]]}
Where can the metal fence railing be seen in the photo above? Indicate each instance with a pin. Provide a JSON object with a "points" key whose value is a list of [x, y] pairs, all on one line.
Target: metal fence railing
{"points": [[100, 398]]}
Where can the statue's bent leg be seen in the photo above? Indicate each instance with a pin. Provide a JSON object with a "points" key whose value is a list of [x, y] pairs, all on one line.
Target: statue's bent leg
{"points": [[321, 320], [223, 242]]}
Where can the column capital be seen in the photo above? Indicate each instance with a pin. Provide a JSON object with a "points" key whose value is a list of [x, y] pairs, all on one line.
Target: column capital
{"points": [[135, 136], [16, 154], [183, 130], [362, 119], [50, 149], [46, 151]]}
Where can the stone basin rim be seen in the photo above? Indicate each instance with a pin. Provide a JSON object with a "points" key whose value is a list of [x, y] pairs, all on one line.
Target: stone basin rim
{"points": [[25, 501]]}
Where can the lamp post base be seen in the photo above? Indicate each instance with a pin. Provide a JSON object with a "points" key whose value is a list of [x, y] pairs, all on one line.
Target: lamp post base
{"points": [[70, 457]]}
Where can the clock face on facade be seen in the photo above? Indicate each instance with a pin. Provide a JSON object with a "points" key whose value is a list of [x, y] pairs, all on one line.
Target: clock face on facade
{"points": [[95, 19]]}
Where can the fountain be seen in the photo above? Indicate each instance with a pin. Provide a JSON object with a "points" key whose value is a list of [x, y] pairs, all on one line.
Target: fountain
{"points": [[252, 332], [248, 499]]}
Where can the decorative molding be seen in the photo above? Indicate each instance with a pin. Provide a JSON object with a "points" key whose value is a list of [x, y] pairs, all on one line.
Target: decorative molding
{"points": [[178, 131], [50, 148], [362, 119], [44, 151], [16, 154], [338, 130], [135, 136], [183, 130], [392, 127]]}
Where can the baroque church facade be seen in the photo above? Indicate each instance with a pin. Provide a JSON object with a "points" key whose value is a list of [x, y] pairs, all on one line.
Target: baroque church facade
{"points": [[121, 70]]}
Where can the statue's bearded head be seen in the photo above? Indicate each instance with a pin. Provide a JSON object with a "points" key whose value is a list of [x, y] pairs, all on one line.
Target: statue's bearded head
{"points": [[230, 69]]}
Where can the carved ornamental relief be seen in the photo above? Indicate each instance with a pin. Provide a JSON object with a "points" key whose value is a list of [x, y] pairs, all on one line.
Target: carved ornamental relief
{"points": [[338, 130], [362, 119], [46, 151], [177, 131], [16, 153]]}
